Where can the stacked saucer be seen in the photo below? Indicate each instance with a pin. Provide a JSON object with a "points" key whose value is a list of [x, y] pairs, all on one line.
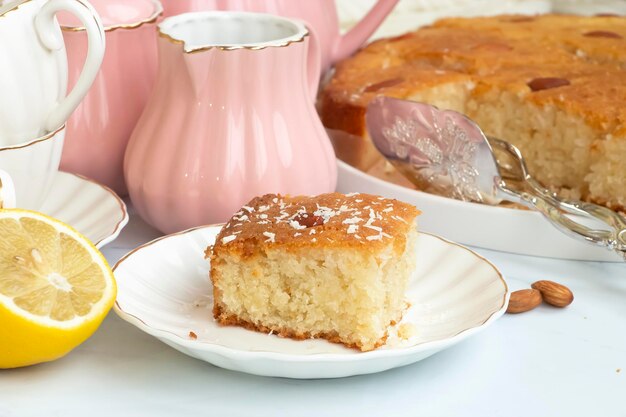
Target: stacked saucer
{"points": [[35, 106]]}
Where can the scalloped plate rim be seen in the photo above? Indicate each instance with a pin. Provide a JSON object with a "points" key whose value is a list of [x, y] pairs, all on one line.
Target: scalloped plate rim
{"points": [[435, 345], [120, 223]]}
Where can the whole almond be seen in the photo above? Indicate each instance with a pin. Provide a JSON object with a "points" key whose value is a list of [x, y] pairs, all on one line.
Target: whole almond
{"points": [[309, 220], [546, 83], [602, 34], [554, 294], [523, 300], [383, 84]]}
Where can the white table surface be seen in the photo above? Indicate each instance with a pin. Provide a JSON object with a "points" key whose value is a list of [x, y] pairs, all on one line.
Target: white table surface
{"points": [[547, 362]]}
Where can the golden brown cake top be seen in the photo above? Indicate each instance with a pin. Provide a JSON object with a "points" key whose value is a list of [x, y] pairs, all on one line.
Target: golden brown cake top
{"points": [[337, 220], [584, 56]]}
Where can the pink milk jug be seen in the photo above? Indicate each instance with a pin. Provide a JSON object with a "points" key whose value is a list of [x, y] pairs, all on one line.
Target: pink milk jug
{"points": [[99, 129], [321, 15], [231, 117]]}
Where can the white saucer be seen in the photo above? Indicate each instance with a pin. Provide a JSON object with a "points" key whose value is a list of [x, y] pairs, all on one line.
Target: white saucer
{"points": [[164, 289], [89, 207]]}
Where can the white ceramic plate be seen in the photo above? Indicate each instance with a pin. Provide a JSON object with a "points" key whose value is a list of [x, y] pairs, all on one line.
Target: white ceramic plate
{"points": [[164, 289], [499, 228], [89, 207]]}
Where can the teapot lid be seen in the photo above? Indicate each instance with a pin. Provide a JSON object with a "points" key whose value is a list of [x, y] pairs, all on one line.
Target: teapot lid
{"points": [[117, 14]]}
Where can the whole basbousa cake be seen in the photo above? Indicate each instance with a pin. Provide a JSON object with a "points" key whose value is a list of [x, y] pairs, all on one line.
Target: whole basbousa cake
{"points": [[553, 85]]}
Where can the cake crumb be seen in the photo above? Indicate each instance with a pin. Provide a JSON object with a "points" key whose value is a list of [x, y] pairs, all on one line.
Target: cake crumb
{"points": [[207, 252], [406, 331], [193, 336], [618, 370]]}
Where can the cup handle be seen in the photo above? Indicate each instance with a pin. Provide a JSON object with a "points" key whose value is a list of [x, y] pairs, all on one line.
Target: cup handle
{"points": [[7, 191], [357, 36], [314, 62], [51, 37]]}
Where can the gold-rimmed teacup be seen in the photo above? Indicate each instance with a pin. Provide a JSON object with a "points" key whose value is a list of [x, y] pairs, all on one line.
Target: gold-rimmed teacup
{"points": [[33, 66], [28, 170]]}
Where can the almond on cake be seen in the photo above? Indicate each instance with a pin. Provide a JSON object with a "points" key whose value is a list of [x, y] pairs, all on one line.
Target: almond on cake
{"points": [[553, 85], [333, 266]]}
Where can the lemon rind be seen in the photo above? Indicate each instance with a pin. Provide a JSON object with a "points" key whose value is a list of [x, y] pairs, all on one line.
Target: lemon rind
{"points": [[98, 309]]}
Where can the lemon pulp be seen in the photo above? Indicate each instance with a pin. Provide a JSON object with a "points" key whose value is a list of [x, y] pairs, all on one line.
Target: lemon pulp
{"points": [[55, 288]]}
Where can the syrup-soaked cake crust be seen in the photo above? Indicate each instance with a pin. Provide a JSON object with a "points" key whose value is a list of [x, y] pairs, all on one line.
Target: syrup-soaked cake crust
{"points": [[362, 221], [582, 58]]}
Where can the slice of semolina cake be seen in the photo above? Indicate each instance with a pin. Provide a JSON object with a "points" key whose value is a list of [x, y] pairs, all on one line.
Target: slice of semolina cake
{"points": [[333, 266]]}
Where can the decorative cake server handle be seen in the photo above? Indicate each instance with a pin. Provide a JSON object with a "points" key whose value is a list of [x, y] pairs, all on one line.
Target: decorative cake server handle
{"points": [[534, 195], [445, 151]]}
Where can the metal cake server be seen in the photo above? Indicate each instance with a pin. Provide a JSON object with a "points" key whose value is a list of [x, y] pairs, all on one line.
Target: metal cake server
{"points": [[446, 152]]}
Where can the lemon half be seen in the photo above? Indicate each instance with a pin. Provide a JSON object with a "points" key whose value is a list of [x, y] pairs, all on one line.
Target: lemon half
{"points": [[55, 288]]}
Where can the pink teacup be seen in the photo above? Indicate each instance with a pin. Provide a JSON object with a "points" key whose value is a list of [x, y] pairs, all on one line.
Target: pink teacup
{"points": [[321, 15], [231, 117], [99, 129]]}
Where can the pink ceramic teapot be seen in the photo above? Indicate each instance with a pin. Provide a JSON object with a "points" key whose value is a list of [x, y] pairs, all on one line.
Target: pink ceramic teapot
{"points": [[321, 15], [231, 117]]}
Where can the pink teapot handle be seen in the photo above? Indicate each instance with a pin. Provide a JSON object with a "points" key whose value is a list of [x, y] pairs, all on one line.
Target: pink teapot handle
{"points": [[357, 36]]}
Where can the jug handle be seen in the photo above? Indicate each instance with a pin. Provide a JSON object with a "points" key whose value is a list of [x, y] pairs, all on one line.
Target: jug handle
{"points": [[314, 62], [51, 37], [7, 191], [357, 36]]}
